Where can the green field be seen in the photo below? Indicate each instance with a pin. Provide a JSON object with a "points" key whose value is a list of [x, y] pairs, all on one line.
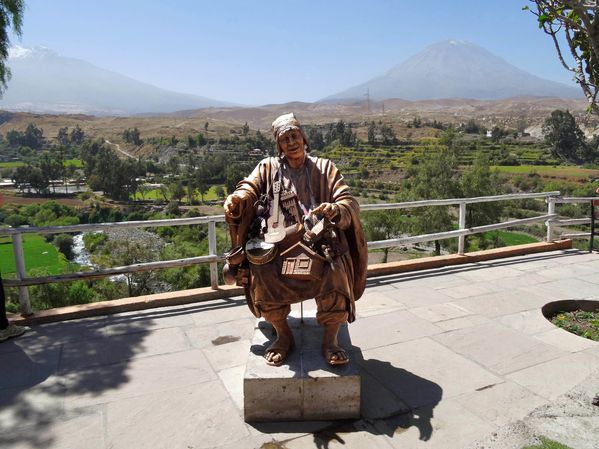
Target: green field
{"points": [[14, 164], [38, 254], [549, 171], [511, 238]]}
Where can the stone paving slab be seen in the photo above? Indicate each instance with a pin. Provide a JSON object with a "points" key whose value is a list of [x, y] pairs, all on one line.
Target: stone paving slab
{"points": [[440, 312], [556, 377], [503, 303], [419, 296], [135, 377], [33, 406], [528, 322], [564, 289], [501, 403], [422, 372], [566, 341], [447, 426], [511, 351], [116, 348], [462, 323], [209, 335], [378, 303], [394, 327], [192, 416], [78, 431]]}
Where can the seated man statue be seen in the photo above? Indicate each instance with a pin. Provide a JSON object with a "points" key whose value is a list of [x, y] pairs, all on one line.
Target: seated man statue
{"points": [[296, 233]]}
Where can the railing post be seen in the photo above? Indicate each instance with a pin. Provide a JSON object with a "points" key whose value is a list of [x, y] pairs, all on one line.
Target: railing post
{"points": [[212, 250], [462, 225], [592, 241], [548, 223], [17, 245]]}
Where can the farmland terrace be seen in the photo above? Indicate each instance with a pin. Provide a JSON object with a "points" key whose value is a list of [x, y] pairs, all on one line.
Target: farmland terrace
{"points": [[448, 357]]}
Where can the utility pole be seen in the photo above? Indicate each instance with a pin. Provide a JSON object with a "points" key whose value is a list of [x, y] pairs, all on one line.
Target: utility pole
{"points": [[367, 95]]}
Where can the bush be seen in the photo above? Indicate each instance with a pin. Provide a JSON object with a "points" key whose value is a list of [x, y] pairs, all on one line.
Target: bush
{"points": [[15, 220], [93, 240], [64, 244]]}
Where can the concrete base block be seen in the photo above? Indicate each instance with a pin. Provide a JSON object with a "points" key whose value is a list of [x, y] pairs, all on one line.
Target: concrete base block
{"points": [[304, 387]]}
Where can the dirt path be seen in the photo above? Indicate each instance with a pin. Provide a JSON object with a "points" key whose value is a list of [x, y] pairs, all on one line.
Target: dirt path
{"points": [[118, 148]]}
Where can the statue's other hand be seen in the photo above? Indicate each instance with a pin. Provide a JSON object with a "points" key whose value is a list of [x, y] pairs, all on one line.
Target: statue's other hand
{"points": [[233, 204], [329, 210]]}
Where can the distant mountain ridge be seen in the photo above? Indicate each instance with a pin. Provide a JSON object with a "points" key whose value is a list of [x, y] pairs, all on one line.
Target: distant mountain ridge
{"points": [[455, 69], [43, 81]]}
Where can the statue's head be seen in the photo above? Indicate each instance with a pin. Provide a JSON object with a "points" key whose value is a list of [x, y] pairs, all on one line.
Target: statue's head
{"points": [[289, 135]]}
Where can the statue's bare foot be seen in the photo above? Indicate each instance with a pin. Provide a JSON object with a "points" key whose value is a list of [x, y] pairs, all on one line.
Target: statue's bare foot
{"points": [[276, 353], [332, 352]]}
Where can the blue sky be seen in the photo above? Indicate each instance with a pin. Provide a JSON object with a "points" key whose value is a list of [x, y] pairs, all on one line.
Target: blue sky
{"points": [[264, 51]]}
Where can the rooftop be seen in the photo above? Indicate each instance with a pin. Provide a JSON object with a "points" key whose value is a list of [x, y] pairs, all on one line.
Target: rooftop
{"points": [[448, 356]]}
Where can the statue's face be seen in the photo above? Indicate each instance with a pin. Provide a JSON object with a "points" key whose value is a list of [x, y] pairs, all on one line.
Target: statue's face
{"points": [[293, 146]]}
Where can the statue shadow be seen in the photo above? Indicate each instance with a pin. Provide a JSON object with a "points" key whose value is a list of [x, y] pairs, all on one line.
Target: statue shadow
{"points": [[393, 399]]}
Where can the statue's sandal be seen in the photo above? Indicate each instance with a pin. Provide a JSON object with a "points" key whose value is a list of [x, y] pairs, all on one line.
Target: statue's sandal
{"points": [[278, 348]]}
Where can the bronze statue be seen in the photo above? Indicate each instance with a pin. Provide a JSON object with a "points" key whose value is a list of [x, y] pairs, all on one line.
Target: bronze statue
{"points": [[296, 234]]}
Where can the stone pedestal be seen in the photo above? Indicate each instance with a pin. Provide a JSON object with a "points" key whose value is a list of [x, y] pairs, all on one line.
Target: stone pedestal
{"points": [[304, 387]]}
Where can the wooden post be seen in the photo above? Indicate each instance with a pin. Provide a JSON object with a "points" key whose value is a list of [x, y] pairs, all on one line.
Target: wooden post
{"points": [[212, 250], [462, 225], [548, 223], [17, 244], [591, 243]]}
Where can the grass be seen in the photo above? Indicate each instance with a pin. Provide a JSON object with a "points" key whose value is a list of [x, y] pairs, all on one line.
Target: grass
{"points": [[14, 164], [546, 443], [38, 254], [511, 238], [78, 163], [548, 171]]}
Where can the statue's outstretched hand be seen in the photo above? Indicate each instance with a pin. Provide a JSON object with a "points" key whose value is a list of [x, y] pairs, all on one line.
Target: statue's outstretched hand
{"points": [[329, 210], [233, 204]]}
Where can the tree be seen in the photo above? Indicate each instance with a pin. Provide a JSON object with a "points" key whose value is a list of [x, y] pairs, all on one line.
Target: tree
{"points": [[578, 22], [77, 136], [245, 129], [479, 180], [13, 137], [382, 225], [33, 137], [371, 133], [177, 191], [220, 192], [435, 177], [132, 136], [11, 16], [566, 139], [63, 136]]}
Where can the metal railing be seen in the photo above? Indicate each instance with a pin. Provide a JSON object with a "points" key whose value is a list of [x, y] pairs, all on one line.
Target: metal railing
{"points": [[22, 282], [593, 202]]}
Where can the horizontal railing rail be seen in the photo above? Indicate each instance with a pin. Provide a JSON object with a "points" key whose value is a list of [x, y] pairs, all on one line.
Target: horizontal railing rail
{"points": [[22, 282]]}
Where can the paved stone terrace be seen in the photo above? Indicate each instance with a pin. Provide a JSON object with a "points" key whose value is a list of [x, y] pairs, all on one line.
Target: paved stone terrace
{"points": [[447, 356]]}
